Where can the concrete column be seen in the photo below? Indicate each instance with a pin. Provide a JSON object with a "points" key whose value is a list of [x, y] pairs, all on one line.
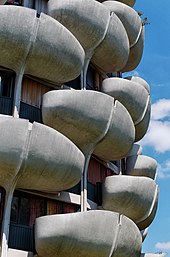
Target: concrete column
{"points": [[17, 94]]}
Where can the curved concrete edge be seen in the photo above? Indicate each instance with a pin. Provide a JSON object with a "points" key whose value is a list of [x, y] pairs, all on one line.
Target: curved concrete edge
{"points": [[13, 138], [45, 46], [85, 23], [129, 17], [144, 233], [108, 130], [103, 39], [136, 53], [53, 162], [28, 157], [142, 127], [115, 46], [14, 33], [76, 114], [136, 150], [141, 165], [127, 2], [148, 220], [134, 97], [97, 233], [120, 136], [135, 197], [139, 80]]}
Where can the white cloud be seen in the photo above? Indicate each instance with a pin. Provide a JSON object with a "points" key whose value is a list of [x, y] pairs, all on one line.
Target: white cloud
{"points": [[163, 246], [158, 135], [163, 170], [161, 109]]}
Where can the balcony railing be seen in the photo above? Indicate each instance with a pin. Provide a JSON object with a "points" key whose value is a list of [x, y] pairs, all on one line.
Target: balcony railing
{"points": [[21, 238], [30, 112], [5, 105]]}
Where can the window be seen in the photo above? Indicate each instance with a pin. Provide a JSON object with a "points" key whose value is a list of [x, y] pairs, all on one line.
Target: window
{"points": [[26, 208], [6, 84], [75, 83]]}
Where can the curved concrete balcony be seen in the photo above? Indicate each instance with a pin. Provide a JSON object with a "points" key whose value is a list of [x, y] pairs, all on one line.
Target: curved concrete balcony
{"points": [[92, 120], [135, 197], [127, 2], [37, 157], [134, 29], [140, 81], [134, 97], [38, 46], [101, 34], [141, 165], [92, 233]]}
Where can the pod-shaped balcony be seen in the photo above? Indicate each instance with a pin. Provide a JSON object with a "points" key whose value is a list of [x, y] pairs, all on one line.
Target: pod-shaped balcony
{"points": [[141, 165], [140, 81], [134, 97], [92, 233], [37, 157], [92, 120], [135, 197], [134, 29], [100, 32], [38, 46]]}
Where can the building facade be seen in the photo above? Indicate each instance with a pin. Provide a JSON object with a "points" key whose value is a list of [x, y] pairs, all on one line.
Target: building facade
{"points": [[73, 181]]}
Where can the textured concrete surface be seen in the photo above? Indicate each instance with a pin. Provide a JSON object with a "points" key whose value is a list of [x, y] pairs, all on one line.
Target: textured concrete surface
{"points": [[134, 97], [86, 118], [128, 16], [84, 23], [97, 233], [135, 197], [120, 136], [133, 26], [115, 46], [135, 54], [140, 81], [141, 165], [100, 33], [45, 46], [32, 154]]}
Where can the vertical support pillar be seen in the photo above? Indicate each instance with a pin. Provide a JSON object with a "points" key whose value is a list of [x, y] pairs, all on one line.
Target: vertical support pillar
{"points": [[17, 94], [6, 222]]}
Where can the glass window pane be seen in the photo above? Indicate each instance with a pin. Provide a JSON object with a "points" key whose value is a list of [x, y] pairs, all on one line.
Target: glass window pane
{"points": [[24, 218], [14, 209]]}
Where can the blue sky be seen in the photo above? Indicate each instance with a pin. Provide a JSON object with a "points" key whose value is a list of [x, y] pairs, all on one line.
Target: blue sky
{"points": [[155, 69]]}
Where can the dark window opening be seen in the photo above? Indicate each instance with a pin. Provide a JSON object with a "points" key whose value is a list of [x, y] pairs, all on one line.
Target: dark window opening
{"points": [[24, 210], [7, 83], [90, 79], [75, 83]]}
